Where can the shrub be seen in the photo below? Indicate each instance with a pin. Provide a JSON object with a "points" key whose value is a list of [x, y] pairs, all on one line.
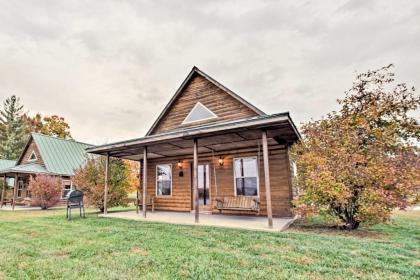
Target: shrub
{"points": [[362, 162], [45, 190], [90, 179]]}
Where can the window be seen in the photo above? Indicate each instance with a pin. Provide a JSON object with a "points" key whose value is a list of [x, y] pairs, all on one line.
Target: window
{"points": [[20, 188], [199, 113], [164, 179], [66, 188], [246, 176], [32, 157]]}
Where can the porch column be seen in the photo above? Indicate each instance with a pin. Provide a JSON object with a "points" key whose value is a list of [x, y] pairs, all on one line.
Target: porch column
{"points": [[195, 182], [138, 188], [106, 184], [3, 191], [144, 180], [15, 191], [267, 179]]}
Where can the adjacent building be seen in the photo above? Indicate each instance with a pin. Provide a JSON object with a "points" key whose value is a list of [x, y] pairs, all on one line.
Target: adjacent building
{"points": [[42, 154]]}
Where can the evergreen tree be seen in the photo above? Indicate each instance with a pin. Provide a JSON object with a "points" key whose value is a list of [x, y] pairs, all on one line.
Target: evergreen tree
{"points": [[12, 129]]}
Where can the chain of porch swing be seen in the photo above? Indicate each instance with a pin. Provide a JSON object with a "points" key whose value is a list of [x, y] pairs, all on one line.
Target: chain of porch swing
{"points": [[214, 170]]}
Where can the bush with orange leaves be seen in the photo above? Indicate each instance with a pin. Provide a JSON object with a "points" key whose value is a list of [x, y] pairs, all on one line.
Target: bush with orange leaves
{"points": [[362, 162]]}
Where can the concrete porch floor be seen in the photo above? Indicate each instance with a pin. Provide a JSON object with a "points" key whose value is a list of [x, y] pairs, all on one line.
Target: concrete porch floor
{"points": [[228, 221]]}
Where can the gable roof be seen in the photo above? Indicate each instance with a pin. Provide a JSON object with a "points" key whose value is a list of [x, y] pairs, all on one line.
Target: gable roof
{"points": [[60, 156], [5, 163], [195, 71]]}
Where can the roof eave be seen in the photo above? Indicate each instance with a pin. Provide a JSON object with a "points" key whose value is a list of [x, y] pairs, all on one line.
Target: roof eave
{"points": [[197, 131]]}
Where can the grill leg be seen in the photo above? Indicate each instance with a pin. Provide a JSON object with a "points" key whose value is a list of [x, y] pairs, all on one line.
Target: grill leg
{"points": [[67, 213], [84, 215], [80, 210]]}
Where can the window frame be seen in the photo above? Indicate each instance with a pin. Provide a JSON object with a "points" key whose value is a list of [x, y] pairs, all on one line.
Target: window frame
{"points": [[20, 188], [156, 179], [65, 182], [33, 154], [214, 116], [258, 175]]}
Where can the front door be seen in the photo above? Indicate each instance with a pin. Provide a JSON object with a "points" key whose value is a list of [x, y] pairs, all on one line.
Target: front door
{"points": [[204, 185]]}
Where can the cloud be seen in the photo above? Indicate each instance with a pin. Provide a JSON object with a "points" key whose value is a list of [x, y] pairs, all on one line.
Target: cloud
{"points": [[109, 67]]}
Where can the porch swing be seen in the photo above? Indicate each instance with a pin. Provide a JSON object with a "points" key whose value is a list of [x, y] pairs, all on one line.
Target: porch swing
{"points": [[236, 203]]}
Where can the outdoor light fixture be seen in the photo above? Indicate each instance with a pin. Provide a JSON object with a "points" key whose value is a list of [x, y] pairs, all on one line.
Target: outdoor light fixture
{"points": [[179, 164], [221, 162]]}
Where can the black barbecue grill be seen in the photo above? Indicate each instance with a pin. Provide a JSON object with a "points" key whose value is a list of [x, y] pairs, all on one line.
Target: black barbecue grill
{"points": [[75, 200]]}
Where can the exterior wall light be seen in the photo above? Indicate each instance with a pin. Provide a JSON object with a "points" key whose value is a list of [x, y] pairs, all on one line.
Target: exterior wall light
{"points": [[179, 164], [221, 161]]}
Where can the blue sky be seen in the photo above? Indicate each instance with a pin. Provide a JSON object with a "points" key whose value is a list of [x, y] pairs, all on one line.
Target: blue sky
{"points": [[109, 67]]}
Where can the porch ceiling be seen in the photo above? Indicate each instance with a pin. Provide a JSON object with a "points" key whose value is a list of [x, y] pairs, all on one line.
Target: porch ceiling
{"points": [[233, 135]]}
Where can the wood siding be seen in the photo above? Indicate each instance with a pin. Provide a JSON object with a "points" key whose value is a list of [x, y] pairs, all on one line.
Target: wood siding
{"points": [[181, 198], [214, 98], [32, 147]]}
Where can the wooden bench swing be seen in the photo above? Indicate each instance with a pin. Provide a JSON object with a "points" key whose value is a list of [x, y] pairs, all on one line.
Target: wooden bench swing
{"points": [[236, 203]]}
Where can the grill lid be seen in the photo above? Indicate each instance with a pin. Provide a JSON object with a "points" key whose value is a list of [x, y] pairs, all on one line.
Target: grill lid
{"points": [[75, 196]]}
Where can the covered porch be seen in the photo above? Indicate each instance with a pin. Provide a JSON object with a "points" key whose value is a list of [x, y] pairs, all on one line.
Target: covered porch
{"points": [[16, 180], [16, 195], [226, 221], [265, 137]]}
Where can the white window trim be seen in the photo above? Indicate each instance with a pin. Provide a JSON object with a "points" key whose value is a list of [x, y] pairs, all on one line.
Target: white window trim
{"points": [[196, 104], [32, 154], [258, 175], [20, 187], [156, 180], [64, 184]]}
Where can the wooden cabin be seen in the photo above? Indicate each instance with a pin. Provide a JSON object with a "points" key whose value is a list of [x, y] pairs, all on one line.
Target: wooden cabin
{"points": [[208, 147], [42, 154]]}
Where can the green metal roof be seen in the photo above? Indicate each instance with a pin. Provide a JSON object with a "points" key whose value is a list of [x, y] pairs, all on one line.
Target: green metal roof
{"points": [[5, 163], [60, 156], [33, 168]]}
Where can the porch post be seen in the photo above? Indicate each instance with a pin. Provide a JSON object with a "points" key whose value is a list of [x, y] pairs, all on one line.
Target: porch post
{"points": [[138, 188], [3, 191], [195, 182], [15, 191], [106, 184], [144, 180], [267, 179]]}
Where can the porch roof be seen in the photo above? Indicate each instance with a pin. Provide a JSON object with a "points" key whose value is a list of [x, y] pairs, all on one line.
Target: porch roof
{"points": [[5, 163], [30, 168], [236, 134]]}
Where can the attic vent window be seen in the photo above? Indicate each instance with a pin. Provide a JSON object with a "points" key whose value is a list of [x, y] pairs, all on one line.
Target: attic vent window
{"points": [[199, 113], [32, 157]]}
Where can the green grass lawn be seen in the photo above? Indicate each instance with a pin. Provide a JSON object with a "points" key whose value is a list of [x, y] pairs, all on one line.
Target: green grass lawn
{"points": [[43, 244]]}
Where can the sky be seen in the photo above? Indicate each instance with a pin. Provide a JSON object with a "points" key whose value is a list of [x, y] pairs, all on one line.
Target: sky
{"points": [[110, 67]]}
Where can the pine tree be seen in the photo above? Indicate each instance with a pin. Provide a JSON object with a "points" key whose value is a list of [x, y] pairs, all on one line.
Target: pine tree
{"points": [[12, 129]]}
